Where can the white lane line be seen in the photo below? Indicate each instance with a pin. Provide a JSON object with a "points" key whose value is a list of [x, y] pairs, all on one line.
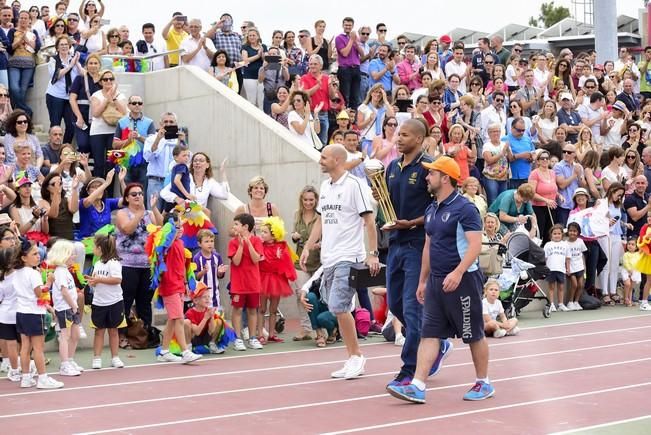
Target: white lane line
{"points": [[494, 408], [355, 399], [294, 366], [341, 346], [599, 426], [297, 384]]}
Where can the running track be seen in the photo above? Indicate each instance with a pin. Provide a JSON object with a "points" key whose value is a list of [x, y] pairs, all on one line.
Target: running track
{"points": [[551, 378]]}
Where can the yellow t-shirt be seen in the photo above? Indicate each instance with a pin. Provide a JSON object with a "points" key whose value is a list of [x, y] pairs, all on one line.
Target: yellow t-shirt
{"points": [[629, 260], [173, 41]]}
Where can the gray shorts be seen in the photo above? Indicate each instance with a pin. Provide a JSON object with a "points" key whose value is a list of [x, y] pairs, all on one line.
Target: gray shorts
{"points": [[335, 290]]}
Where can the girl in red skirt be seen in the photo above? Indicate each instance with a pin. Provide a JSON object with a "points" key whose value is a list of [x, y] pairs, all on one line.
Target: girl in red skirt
{"points": [[276, 270]]}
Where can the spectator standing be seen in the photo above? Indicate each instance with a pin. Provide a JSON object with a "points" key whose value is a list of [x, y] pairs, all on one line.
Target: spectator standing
{"points": [[252, 56], [173, 34], [349, 52], [83, 87], [225, 39], [320, 45], [318, 88], [24, 43], [522, 149], [198, 49]]}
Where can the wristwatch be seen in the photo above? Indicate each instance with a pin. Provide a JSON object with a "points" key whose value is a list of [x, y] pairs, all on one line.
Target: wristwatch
{"points": [[374, 253]]}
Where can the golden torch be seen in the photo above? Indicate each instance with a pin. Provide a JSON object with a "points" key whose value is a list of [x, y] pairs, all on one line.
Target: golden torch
{"points": [[375, 172]]}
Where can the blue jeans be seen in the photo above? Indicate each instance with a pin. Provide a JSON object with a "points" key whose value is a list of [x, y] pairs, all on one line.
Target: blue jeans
{"points": [[59, 109], [364, 85], [494, 188], [562, 215], [403, 272], [320, 317], [4, 78], [83, 139], [155, 185], [137, 174], [19, 80], [99, 145], [266, 104], [325, 125], [349, 83]]}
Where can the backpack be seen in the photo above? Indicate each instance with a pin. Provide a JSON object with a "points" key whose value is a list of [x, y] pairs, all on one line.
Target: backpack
{"points": [[589, 302], [362, 321]]}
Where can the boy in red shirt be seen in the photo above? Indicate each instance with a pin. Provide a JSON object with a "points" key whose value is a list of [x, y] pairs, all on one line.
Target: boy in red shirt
{"points": [[245, 252], [201, 328], [171, 289]]}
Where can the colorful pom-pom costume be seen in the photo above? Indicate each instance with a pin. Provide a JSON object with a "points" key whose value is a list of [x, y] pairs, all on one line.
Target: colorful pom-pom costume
{"points": [[193, 219]]}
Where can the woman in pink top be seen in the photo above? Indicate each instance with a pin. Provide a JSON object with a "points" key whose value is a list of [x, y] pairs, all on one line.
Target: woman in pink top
{"points": [[458, 150], [545, 190], [384, 148]]}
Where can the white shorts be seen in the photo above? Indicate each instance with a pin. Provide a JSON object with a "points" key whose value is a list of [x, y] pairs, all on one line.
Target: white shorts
{"points": [[633, 276]]}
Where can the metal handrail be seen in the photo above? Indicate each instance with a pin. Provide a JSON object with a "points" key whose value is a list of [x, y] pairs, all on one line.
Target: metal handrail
{"points": [[141, 56]]}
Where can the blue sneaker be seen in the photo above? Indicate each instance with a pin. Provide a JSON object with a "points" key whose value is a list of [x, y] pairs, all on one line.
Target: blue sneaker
{"points": [[479, 391], [444, 351], [408, 393], [401, 379]]}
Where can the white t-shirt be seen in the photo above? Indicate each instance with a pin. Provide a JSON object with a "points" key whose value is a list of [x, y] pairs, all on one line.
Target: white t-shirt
{"points": [[210, 187], [306, 137], [610, 175], [63, 283], [94, 42], [511, 76], [556, 253], [457, 68], [576, 248], [25, 281], [98, 126], [588, 113], [200, 59], [107, 294], [547, 127], [493, 310], [8, 301], [341, 206], [614, 135]]}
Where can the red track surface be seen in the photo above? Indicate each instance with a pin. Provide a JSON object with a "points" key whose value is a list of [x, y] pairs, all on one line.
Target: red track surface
{"points": [[546, 380]]}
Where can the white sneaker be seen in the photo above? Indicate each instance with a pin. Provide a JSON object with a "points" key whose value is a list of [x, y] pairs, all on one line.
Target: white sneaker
{"points": [[238, 344], [254, 343], [27, 382], [552, 308], [245, 333], [169, 357], [97, 363], [514, 331], [355, 367], [116, 362], [5, 366], [578, 306], [562, 307], [499, 333], [67, 369], [644, 306], [14, 375], [341, 373], [189, 356], [82, 333], [47, 383], [214, 349], [75, 365], [400, 340]]}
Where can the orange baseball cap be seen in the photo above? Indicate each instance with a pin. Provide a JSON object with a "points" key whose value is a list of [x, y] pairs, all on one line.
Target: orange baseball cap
{"points": [[199, 290], [446, 165]]}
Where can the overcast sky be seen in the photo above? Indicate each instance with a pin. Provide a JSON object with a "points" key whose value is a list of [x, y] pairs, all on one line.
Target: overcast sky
{"points": [[268, 15]]}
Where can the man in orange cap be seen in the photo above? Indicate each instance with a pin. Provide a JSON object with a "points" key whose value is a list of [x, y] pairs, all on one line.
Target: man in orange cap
{"points": [[201, 327], [450, 282]]}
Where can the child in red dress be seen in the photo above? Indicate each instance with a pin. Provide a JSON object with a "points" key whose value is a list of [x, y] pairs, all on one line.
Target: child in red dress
{"points": [[276, 270]]}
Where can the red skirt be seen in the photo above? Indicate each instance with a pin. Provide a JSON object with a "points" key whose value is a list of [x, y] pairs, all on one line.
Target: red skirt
{"points": [[274, 285]]}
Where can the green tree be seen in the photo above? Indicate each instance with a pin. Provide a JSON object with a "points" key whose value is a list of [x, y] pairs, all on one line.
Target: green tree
{"points": [[550, 14]]}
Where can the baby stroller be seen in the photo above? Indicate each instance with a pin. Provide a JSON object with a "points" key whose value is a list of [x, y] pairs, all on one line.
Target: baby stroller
{"points": [[526, 261]]}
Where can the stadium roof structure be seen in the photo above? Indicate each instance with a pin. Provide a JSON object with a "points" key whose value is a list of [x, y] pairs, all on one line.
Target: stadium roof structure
{"points": [[517, 32]]}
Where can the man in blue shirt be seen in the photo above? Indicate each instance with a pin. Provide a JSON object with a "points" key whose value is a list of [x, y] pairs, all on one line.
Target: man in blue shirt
{"points": [[381, 69], [521, 154], [157, 152], [450, 284], [569, 118], [407, 185], [134, 127]]}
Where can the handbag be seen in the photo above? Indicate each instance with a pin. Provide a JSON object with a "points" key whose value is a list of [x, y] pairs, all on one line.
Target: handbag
{"points": [[490, 261], [111, 115]]}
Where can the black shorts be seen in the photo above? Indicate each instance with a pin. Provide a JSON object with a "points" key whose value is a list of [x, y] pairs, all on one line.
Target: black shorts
{"points": [[31, 325], [578, 275], [109, 316], [66, 318], [454, 314], [553, 277], [8, 331], [201, 340]]}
